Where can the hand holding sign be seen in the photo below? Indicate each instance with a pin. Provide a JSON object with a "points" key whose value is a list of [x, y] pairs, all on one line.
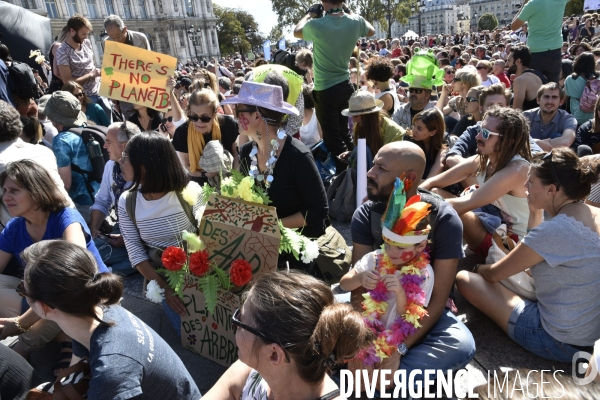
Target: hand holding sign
{"points": [[136, 75]]}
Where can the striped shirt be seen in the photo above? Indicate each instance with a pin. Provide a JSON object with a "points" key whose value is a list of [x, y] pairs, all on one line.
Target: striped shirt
{"points": [[159, 225], [81, 62]]}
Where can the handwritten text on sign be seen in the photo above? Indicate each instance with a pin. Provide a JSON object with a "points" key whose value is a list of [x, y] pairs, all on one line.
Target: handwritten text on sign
{"points": [[136, 75]]}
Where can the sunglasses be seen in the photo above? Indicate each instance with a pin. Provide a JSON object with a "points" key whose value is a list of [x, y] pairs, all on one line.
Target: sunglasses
{"points": [[485, 133], [416, 91], [164, 120], [548, 156], [480, 67], [237, 323], [78, 94], [455, 80], [450, 72], [203, 118], [470, 99]]}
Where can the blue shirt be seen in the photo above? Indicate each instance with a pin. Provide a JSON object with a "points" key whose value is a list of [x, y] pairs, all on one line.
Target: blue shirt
{"points": [[69, 148], [561, 121], [15, 238], [95, 113]]}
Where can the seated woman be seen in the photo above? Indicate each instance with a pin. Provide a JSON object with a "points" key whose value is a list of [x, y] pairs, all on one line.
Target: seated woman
{"points": [[472, 111], [370, 123], [584, 68], [32, 132], [380, 71], [588, 134], [484, 68], [147, 119], [156, 214], [174, 117], [500, 168], [290, 333], [454, 108], [428, 133], [562, 254], [93, 111], [62, 284], [203, 125], [40, 212], [278, 162]]}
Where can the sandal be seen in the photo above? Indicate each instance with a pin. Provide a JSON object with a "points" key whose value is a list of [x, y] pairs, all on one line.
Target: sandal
{"points": [[66, 352]]}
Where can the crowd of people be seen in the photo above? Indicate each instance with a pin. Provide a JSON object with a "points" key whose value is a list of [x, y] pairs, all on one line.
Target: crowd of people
{"points": [[497, 152]]}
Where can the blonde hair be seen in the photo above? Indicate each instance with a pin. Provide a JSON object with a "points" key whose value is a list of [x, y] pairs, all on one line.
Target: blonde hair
{"points": [[203, 97]]}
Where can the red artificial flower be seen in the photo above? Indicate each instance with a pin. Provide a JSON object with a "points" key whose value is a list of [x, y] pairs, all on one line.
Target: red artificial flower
{"points": [[199, 263], [173, 258], [240, 272]]}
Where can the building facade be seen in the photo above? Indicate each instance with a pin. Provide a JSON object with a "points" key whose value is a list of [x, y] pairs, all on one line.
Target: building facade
{"points": [[184, 29], [504, 10], [436, 17]]}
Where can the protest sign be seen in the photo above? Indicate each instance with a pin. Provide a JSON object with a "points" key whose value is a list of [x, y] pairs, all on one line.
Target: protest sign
{"points": [[136, 75], [231, 229], [591, 5]]}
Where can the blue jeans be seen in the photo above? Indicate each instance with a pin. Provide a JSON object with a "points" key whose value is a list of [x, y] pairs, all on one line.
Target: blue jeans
{"points": [[525, 328], [173, 317]]}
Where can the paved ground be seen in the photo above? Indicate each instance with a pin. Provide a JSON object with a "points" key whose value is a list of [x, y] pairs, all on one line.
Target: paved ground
{"points": [[495, 351]]}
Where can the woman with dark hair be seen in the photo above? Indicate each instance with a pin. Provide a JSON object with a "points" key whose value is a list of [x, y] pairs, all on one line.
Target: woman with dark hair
{"points": [[562, 254], [581, 48], [588, 134], [32, 130], [587, 31], [428, 133], [310, 131], [40, 212], [278, 162], [146, 118], [380, 71], [584, 69], [153, 213], [290, 333], [126, 357], [93, 111]]}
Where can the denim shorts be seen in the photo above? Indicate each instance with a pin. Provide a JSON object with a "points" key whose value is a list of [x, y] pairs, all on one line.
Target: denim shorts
{"points": [[525, 328]]}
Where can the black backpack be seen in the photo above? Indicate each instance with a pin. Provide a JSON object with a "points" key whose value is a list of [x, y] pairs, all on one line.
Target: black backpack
{"points": [[88, 134], [285, 58], [21, 81]]}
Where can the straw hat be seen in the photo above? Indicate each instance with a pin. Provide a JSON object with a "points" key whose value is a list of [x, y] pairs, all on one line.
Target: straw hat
{"points": [[362, 102]]}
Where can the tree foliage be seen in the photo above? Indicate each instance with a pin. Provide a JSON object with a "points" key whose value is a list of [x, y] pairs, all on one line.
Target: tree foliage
{"points": [[487, 22], [275, 34], [237, 30], [574, 7], [290, 12]]}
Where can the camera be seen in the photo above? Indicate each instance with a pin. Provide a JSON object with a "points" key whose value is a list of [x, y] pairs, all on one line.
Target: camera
{"points": [[317, 9]]}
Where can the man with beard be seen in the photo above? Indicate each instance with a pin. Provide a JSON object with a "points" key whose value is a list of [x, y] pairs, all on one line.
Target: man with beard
{"points": [[528, 80], [551, 127], [76, 60], [443, 342], [454, 54], [418, 100]]}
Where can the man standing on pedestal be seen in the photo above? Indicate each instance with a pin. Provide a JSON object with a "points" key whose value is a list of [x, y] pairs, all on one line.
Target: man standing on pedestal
{"points": [[334, 37]]}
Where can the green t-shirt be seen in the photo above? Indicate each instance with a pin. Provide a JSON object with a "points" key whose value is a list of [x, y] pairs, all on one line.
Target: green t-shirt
{"points": [[333, 40], [544, 19]]}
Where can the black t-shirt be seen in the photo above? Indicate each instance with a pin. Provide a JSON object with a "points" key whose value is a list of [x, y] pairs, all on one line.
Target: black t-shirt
{"points": [[154, 122], [462, 125], [296, 187], [229, 133], [447, 236], [129, 359]]}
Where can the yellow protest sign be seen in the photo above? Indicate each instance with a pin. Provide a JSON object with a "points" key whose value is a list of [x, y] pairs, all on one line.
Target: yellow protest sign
{"points": [[136, 75]]}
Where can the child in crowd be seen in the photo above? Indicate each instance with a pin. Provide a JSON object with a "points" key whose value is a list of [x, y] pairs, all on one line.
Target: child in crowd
{"points": [[399, 279]]}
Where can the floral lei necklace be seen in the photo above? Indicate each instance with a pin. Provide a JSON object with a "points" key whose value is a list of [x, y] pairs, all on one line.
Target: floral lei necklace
{"points": [[265, 177], [375, 305]]}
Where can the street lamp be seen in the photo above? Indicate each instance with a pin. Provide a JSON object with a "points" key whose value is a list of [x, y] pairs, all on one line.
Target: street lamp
{"points": [[191, 33]]}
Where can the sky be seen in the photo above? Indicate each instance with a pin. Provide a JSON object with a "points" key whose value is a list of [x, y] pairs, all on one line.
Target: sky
{"points": [[260, 9]]}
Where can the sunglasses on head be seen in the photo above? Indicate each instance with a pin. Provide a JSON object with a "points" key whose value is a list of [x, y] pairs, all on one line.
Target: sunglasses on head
{"points": [[203, 118], [164, 120], [471, 99], [236, 323], [548, 156], [486, 133]]}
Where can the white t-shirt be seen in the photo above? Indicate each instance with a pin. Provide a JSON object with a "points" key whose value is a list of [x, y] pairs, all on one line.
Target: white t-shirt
{"points": [[367, 263]]}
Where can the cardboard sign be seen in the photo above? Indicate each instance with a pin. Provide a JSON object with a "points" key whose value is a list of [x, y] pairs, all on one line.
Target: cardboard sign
{"points": [[591, 5], [209, 335], [231, 229], [136, 75]]}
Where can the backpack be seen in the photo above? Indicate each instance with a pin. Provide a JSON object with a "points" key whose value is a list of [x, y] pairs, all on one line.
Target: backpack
{"points": [[285, 58], [341, 196], [21, 81], [324, 161], [587, 103], [88, 134]]}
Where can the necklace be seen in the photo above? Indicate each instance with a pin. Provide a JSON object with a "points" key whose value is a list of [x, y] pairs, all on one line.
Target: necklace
{"points": [[334, 11], [375, 306], [266, 177]]}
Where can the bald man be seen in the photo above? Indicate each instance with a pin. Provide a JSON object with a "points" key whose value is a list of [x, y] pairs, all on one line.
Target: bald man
{"points": [[443, 342]]}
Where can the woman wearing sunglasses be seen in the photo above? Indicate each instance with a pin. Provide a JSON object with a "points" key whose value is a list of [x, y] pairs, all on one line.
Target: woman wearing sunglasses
{"points": [[472, 111], [40, 212], [484, 69], [92, 110], [290, 334], [204, 124], [562, 254], [454, 108], [127, 359]]}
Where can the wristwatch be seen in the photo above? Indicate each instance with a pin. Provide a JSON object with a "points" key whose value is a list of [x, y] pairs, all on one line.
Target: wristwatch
{"points": [[402, 349]]}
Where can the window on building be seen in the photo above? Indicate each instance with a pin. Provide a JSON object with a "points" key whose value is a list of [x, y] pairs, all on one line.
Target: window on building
{"points": [[143, 12], [127, 8], [72, 7], [92, 9], [189, 8], [110, 7], [51, 8]]}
